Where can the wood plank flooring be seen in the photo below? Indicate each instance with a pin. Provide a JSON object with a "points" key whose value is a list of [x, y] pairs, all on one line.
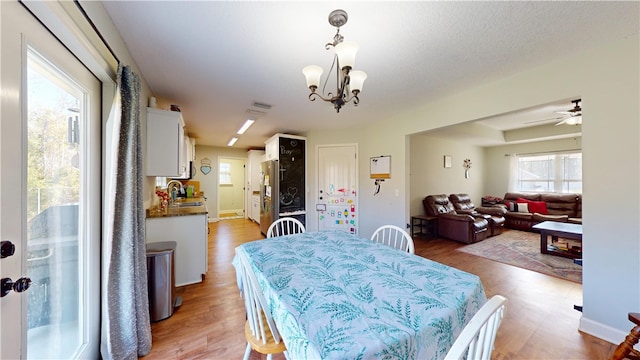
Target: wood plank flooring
{"points": [[540, 322]]}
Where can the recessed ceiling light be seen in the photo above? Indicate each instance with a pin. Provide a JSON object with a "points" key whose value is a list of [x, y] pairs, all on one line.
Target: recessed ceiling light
{"points": [[245, 126], [232, 141]]}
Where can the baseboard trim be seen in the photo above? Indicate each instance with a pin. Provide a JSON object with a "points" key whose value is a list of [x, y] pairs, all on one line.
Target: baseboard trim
{"points": [[602, 331]]}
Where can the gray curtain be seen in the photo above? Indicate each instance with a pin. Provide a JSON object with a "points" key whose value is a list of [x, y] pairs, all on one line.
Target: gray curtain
{"points": [[126, 324]]}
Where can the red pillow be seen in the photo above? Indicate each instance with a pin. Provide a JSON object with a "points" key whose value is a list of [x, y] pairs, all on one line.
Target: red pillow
{"points": [[539, 207]]}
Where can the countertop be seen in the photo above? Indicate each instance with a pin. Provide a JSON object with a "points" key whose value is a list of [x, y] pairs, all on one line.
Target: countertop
{"points": [[180, 210]]}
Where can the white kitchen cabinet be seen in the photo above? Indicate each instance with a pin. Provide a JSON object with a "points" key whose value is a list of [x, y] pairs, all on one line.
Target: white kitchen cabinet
{"points": [[254, 160], [165, 143], [190, 234], [186, 156], [255, 208], [271, 148]]}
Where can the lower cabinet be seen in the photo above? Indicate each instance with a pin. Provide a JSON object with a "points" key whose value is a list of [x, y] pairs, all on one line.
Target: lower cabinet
{"points": [[255, 208], [190, 234]]}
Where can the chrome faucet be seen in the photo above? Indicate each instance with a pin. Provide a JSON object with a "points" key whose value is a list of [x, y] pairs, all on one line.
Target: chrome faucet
{"points": [[171, 186]]}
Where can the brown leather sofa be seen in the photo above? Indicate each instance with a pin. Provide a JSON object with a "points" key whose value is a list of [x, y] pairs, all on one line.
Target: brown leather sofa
{"points": [[495, 215], [559, 207], [451, 225]]}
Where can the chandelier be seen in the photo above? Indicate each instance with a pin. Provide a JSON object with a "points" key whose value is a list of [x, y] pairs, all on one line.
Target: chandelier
{"points": [[348, 82]]}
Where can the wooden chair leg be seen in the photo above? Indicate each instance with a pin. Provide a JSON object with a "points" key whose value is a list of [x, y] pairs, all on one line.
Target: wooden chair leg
{"points": [[626, 347]]}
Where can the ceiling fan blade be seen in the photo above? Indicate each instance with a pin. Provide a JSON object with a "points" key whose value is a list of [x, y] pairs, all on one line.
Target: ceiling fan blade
{"points": [[549, 119]]}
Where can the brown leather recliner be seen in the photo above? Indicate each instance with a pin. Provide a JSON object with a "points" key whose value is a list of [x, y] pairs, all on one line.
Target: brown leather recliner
{"points": [[495, 215], [451, 225]]}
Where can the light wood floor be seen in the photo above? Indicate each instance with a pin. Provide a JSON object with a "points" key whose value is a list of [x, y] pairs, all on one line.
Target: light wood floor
{"points": [[540, 322]]}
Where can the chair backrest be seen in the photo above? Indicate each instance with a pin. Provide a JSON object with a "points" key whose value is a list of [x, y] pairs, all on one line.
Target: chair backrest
{"points": [[462, 202], [258, 315], [435, 205], [285, 226], [395, 237], [477, 338]]}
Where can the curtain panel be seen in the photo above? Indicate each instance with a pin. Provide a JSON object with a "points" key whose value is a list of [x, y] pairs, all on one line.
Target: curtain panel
{"points": [[126, 327]]}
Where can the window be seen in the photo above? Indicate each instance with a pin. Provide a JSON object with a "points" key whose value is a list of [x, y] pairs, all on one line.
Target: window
{"points": [[225, 173], [558, 173]]}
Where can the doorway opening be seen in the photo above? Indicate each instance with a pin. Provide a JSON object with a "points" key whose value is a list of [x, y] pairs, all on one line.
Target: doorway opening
{"points": [[231, 180]]}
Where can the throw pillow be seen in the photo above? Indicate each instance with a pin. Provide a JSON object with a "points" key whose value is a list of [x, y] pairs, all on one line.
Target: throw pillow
{"points": [[523, 207], [539, 207], [511, 205]]}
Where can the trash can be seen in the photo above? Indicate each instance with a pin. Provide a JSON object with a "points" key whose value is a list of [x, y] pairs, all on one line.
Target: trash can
{"points": [[161, 279]]}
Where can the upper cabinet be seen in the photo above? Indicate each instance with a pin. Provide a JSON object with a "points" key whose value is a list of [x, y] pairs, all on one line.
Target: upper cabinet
{"points": [[166, 150], [254, 158], [282, 144]]}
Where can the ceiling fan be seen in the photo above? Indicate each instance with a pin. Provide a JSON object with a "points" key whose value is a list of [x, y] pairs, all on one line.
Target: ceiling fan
{"points": [[574, 115], [569, 117]]}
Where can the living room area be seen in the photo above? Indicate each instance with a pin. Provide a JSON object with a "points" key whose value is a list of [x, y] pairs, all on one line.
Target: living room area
{"points": [[482, 160]]}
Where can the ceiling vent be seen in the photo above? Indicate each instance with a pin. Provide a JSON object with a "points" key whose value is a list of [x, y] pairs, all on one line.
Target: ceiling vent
{"points": [[261, 105], [256, 112]]}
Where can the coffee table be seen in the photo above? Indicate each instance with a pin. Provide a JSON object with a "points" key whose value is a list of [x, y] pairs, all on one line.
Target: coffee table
{"points": [[556, 230]]}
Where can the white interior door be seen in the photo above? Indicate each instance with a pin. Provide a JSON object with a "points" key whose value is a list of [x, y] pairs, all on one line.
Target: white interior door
{"points": [[337, 198], [50, 194]]}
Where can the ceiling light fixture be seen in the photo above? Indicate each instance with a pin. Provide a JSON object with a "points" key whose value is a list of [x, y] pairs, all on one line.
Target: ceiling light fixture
{"points": [[348, 82], [245, 126], [574, 120], [232, 141]]}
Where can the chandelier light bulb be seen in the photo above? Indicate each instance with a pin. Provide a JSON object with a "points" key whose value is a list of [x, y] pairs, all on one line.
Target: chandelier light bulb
{"points": [[312, 73], [357, 79], [346, 52]]}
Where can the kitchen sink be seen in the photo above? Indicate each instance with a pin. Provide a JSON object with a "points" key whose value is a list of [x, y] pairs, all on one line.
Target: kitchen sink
{"points": [[187, 203]]}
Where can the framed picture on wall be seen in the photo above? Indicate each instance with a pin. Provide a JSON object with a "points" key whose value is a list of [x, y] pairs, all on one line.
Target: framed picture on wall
{"points": [[447, 161]]}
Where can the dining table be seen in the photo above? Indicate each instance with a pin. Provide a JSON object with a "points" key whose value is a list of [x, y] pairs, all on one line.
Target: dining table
{"points": [[334, 295]]}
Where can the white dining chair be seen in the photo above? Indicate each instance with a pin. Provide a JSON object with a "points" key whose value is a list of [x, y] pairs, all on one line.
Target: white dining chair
{"points": [[476, 339], [395, 237], [259, 329], [285, 226]]}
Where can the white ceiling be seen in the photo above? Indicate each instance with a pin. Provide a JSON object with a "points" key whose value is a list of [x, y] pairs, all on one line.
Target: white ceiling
{"points": [[214, 59]]}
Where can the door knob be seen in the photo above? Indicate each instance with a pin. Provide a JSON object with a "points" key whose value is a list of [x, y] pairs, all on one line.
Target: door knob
{"points": [[6, 249], [20, 285]]}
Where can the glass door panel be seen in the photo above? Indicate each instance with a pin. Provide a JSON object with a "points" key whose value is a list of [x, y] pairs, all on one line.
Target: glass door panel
{"points": [[56, 108]]}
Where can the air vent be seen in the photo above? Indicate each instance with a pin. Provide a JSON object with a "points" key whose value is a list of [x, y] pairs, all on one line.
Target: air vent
{"points": [[256, 112], [261, 105]]}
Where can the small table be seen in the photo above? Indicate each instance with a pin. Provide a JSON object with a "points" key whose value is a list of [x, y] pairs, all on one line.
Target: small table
{"points": [[555, 230], [422, 225]]}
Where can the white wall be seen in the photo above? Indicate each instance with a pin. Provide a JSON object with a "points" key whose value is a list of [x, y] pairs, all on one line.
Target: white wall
{"points": [[608, 81], [428, 176]]}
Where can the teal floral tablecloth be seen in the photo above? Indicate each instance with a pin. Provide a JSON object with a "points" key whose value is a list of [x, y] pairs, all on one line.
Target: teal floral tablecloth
{"points": [[336, 296]]}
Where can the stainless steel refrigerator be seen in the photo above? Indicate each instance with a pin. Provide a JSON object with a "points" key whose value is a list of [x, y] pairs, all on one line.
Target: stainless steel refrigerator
{"points": [[282, 187]]}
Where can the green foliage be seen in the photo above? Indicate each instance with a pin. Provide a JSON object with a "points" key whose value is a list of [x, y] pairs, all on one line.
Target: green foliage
{"points": [[51, 177]]}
